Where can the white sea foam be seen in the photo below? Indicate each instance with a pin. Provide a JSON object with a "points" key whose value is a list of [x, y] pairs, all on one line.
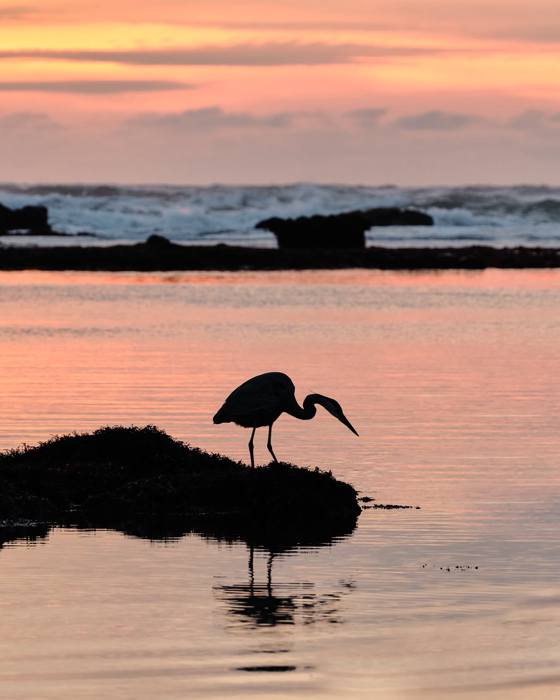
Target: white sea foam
{"points": [[491, 215]]}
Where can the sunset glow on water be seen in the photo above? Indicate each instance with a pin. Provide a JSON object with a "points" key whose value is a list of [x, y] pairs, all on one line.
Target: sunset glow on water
{"points": [[452, 382]]}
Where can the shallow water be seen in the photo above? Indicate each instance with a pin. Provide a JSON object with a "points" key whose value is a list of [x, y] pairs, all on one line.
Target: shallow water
{"points": [[452, 380]]}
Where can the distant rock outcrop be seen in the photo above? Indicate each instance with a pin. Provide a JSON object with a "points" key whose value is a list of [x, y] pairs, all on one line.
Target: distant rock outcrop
{"points": [[31, 219], [393, 216], [148, 258], [336, 231], [339, 230], [157, 241]]}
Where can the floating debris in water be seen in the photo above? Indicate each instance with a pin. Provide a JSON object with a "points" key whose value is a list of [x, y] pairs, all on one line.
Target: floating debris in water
{"points": [[455, 567], [390, 506]]}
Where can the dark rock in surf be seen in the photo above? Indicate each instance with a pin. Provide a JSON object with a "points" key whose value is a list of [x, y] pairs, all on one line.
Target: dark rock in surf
{"points": [[393, 216], [32, 219], [339, 230], [157, 241]]}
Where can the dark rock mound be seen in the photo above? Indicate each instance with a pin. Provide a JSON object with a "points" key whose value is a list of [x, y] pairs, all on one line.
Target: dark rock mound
{"points": [[157, 241], [143, 482], [339, 230], [393, 216], [32, 219]]}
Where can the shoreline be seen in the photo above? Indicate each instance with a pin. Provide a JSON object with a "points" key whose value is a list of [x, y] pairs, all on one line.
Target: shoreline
{"points": [[167, 256]]}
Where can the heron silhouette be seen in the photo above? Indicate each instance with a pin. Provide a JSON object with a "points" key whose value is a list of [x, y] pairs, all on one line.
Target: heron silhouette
{"points": [[259, 401]]}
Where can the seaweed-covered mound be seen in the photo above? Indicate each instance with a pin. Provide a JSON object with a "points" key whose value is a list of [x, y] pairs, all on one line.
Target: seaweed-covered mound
{"points": [[142, 481]]}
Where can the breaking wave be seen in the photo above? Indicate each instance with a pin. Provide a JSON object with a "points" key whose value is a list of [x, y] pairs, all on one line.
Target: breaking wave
{"points": [[490, 215]]}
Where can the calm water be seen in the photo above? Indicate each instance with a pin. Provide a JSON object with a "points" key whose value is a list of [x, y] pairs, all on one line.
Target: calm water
{"points": [[452, 380]]}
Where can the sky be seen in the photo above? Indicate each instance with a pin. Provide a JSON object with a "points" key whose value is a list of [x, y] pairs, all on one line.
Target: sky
{"points": [[408, 92]]}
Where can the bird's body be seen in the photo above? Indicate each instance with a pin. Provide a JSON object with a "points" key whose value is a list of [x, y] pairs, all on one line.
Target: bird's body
{"points": [[260, 401]]}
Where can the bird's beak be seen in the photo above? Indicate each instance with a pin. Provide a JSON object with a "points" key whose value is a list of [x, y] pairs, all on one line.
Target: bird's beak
{"points": [[347, 423]]}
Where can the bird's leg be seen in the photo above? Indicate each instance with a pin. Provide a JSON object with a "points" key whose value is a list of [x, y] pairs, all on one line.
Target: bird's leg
{"points": [[269, 574], [251, 448], [269, 443], [251, 568]]}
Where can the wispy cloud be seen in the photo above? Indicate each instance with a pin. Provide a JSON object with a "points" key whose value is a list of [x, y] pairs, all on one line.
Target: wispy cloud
{"points": [[271, 54], [436, 120], [15, 12], [530, 119], [28, 121], [535, 119], [537, 33], [296, 26], [210, 118], [367, 116], [93, 87]]}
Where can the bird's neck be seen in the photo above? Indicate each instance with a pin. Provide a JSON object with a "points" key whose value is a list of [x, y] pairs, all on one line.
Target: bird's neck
{"points": [[308, 410]]}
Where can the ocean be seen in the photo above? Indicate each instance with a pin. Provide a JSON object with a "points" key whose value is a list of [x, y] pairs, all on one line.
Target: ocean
{"points": [[452, 379], [477, 215]]}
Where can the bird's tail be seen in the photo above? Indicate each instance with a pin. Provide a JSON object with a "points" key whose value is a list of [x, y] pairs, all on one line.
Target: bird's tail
{"points": [[220, 417]]}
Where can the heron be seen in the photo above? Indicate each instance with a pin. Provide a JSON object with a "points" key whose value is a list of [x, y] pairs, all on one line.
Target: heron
{"points": [[259, 402]]}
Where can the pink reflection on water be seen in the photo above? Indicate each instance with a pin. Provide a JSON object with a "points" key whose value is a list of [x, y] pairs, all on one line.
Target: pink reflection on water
{"points": [[451, 378]]}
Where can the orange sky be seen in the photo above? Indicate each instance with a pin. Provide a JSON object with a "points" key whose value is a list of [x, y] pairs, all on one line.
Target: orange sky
{"points": [[405, 91]]}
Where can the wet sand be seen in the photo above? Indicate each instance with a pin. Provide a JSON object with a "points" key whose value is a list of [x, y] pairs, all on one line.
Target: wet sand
{"points": [[164, 255]]}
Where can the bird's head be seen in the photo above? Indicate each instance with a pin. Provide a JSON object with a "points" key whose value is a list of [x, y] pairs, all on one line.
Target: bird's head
{"points": [[335, 409]]}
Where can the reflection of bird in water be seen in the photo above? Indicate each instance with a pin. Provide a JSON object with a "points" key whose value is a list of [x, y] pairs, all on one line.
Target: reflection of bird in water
{"points": [[255, 602], [259, 401], [258, 605]]}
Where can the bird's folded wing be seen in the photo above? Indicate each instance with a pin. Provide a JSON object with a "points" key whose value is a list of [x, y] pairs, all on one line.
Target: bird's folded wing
{"points": [[255, 396]]}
